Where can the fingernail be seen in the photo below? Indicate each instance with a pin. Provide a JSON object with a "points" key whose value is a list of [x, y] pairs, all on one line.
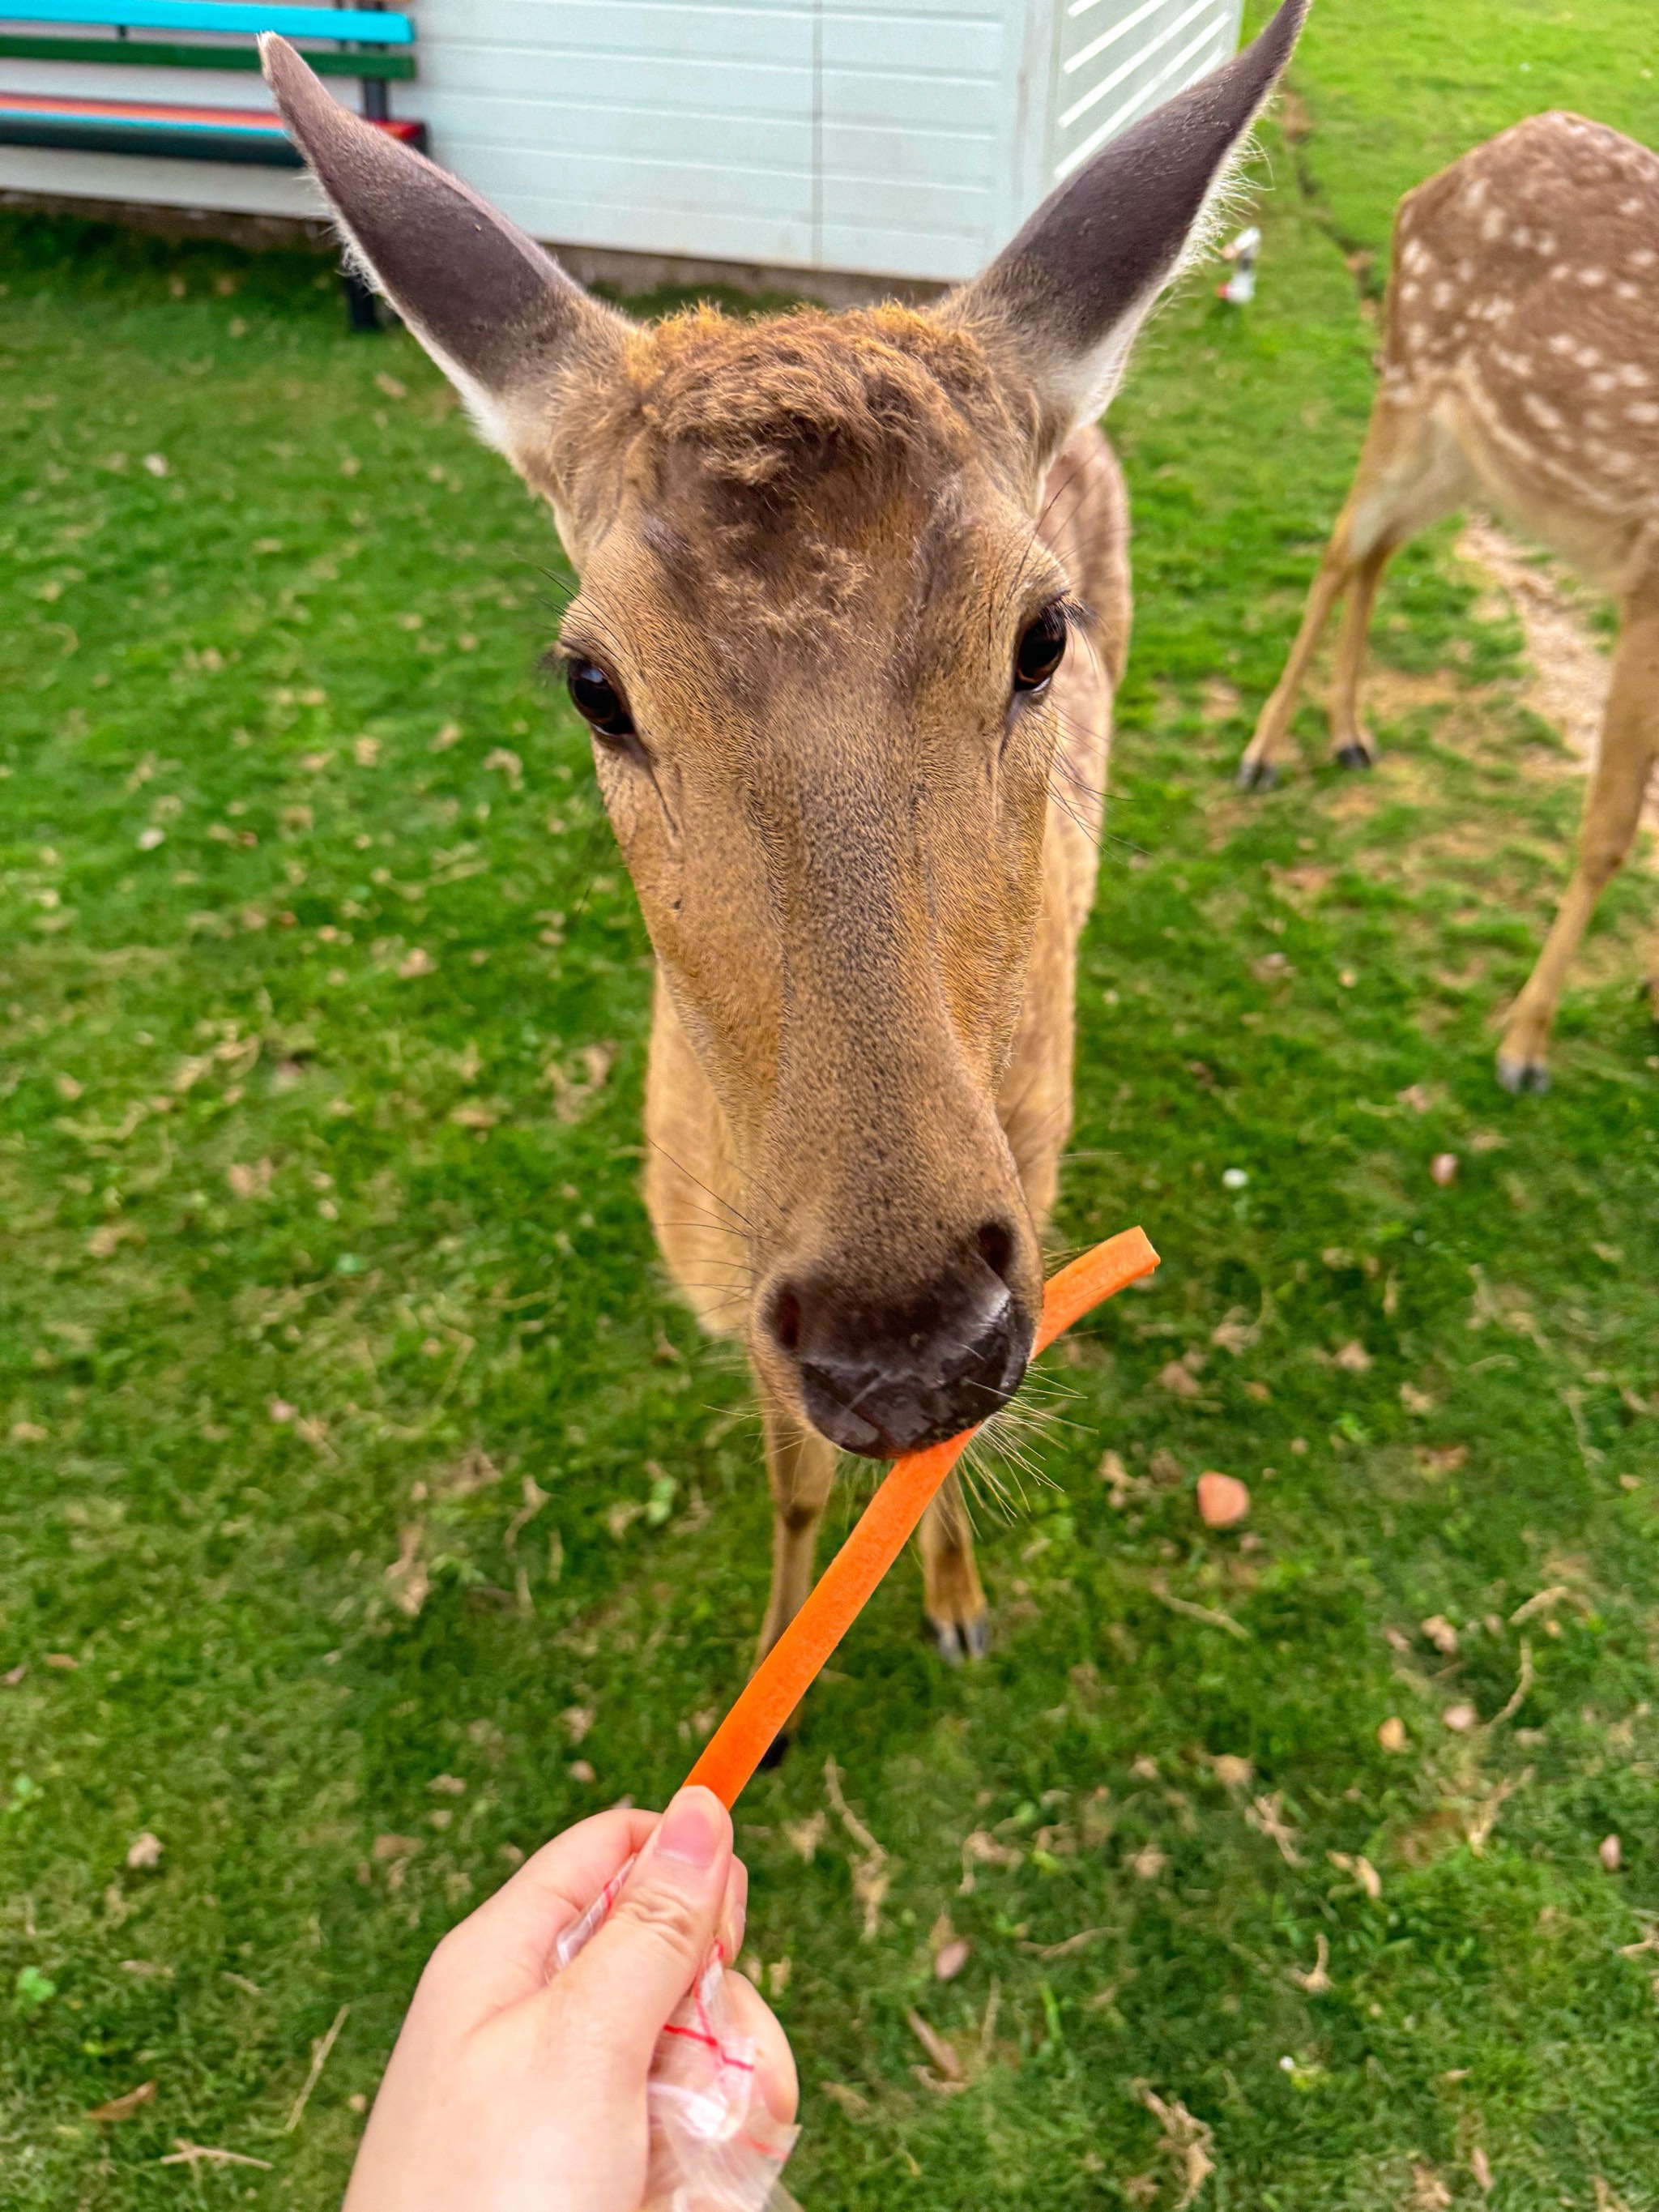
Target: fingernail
{"points": [[693, 1829]]}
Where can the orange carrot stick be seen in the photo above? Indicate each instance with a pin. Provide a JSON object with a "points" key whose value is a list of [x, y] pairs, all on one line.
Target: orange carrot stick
{"points": [[784, 1677]]}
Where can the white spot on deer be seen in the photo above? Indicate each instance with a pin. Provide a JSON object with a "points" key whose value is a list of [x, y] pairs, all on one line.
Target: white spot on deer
{"points": [[1521, 237], [1492, 225], [1590, 278], [1559, 342], [1625, 290], [1642, 411], [1443, 293], [1642, 257], [1409, 292], [1540, 410], [1636, 377]]}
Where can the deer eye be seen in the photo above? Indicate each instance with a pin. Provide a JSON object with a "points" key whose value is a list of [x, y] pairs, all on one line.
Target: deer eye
{"points": [[1041, 649], [599, 700]]}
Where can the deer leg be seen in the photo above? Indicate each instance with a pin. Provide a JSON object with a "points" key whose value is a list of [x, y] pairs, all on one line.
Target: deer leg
{"points": [[1612, 807], [800, 1467], [1257, 771], [955, 1600], [1411, 472], [1351, 745]]}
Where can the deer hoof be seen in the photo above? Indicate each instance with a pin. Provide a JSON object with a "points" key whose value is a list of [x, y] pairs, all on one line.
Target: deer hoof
{"points": [[1523, 1075], [962, 1640], [1257, 774], [1356, 755]]}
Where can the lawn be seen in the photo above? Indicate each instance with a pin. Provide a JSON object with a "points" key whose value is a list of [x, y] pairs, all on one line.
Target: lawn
{"points": [[370, 1509]]}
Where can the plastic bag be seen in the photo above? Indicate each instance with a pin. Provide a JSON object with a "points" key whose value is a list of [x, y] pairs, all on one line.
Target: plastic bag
{"points": [[714, 2145]]}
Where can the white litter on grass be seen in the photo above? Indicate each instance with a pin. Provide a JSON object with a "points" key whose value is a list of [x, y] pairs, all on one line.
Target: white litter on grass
{"points": [[1234, 1178]]}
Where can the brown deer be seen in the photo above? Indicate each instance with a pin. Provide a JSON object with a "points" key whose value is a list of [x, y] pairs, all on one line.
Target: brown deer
{"points": [[853, 599], [1520, 364]]}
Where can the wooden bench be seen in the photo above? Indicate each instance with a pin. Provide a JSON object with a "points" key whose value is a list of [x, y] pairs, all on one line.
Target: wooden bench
{"points": [[373, 44]]}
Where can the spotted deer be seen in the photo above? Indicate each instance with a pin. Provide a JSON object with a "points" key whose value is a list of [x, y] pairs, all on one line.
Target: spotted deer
{"points": [[1520, 366], [853, 599]]}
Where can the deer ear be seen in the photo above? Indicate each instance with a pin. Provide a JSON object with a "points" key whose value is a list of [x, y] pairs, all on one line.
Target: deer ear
{"points": [[1066, 297], [498, 314]]}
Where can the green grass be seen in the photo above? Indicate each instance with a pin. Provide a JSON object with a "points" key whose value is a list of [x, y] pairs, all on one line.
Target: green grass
{"points": [[255, 1156], [1396, 91]]}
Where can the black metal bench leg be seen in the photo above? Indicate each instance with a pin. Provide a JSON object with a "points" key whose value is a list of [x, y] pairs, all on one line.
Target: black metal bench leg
{"points": [[362, 306]]}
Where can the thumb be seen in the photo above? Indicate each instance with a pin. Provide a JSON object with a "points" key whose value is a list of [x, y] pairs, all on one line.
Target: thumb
{"points": [[626, 1982]]}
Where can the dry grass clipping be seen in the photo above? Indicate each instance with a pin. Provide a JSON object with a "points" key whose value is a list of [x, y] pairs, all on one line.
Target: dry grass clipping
{"points": [[871, 1875], [1187, 2142]]}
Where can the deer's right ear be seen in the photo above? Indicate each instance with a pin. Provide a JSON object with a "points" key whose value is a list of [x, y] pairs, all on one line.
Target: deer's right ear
{"points": [[1065, 298], [498, 314]]}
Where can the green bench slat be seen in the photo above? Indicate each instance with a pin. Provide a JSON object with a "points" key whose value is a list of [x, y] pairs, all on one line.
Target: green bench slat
{"points": [[361, 25], [136, 53]]}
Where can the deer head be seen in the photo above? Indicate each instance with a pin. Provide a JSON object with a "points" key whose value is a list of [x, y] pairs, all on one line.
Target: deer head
{"points": [[814, 640]]}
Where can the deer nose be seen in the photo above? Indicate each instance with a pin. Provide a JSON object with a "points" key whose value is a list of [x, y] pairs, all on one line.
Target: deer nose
{"points": [[881, 1379]]}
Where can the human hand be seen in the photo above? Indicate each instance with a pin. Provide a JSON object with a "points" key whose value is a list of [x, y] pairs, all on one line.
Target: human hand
{"points": [[510, 2092]]}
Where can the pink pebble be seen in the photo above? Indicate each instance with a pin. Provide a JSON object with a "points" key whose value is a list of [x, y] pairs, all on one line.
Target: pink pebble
{"points": [[950, 1959], [1221, 1500]]}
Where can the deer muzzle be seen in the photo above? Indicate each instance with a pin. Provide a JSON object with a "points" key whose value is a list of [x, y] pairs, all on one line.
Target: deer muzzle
{"points": [[883, 1377]]}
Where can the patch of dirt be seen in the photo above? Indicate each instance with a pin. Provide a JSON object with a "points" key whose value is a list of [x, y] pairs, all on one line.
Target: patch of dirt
{"points": [[1390, 693], [1221, 702], [1404, 779], [1570, 670], [1352, 802]]}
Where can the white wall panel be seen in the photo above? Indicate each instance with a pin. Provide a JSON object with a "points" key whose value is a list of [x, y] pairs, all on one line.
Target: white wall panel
{"points": [[901, 140], [142, 180], [563, 81]]}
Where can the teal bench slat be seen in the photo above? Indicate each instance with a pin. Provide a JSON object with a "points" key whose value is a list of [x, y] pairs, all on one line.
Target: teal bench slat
{"points": [[362, 26]]}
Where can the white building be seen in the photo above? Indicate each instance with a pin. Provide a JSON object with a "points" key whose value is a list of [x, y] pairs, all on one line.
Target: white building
{"points": [[904, 141]]}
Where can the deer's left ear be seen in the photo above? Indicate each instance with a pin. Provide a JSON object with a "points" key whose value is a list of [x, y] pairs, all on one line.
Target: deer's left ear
{"points": [[1066, 297]]}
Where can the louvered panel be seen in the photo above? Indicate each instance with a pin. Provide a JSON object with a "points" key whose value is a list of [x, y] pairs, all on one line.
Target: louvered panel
{"points": [[1119, 59]]}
